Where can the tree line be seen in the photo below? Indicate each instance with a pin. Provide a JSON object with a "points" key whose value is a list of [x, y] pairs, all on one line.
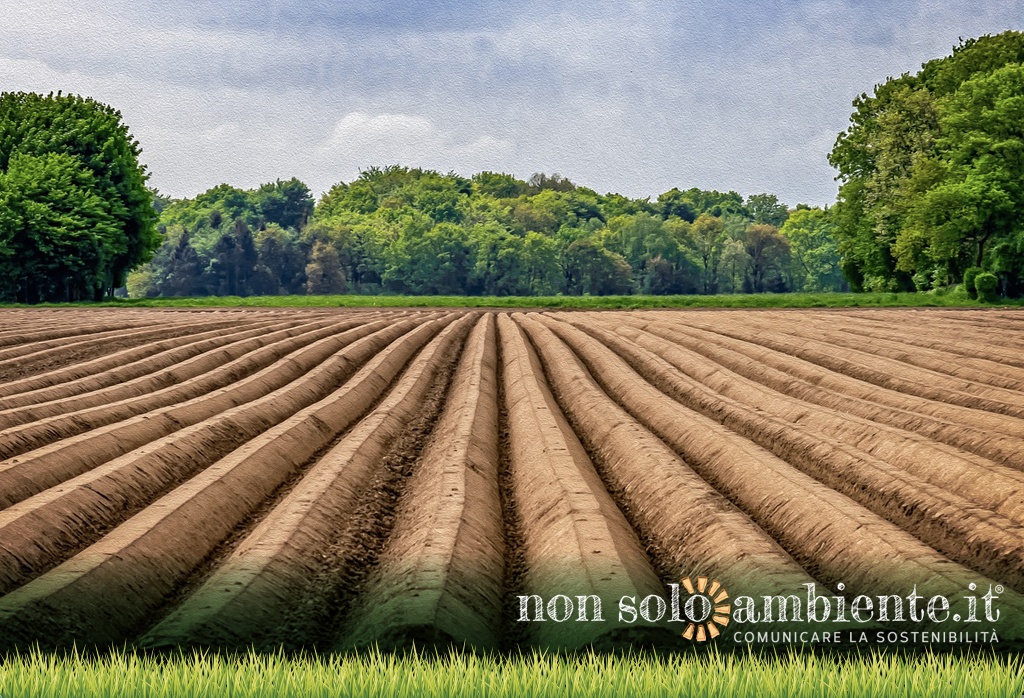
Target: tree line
{"points": [[413, 231]]}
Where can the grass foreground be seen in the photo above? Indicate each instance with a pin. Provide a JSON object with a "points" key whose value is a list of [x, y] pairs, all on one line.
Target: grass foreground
{"points": [[750, 300], [194, 674]]}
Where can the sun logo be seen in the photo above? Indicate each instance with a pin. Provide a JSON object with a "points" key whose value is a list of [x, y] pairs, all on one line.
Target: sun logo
{"points": [[704, 609]]}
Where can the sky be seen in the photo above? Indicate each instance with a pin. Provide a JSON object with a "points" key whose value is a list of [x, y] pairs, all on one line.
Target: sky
{"points": [[631, 97]]}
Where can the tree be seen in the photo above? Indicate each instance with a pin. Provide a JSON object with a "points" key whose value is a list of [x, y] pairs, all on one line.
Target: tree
{"points": [[428, 259], [815, 254], [929, 170], [733, 266], [98, 165], [58, 234], [184, 271], [769, 256], [287, 203], [323, 273], [590, 269], [223, 269], [707, 237], [676, 203], [539, 181], [281, 264], [539, 259], [971, 210], [767, 209], [499, 185], [497, 261]]}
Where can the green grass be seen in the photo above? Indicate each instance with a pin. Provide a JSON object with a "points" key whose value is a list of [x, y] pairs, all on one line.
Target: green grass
{"points": [[713, 675], [759, 300]]}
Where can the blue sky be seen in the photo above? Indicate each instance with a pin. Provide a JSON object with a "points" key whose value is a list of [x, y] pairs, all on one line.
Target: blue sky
{"points": [[632, 97]]}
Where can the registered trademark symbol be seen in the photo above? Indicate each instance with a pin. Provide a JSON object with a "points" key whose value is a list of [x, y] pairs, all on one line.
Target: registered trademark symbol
{"points": [[956, 616], [999, 588]]}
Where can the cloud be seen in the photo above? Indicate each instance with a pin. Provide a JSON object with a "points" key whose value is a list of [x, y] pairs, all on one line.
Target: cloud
{"points": [[359, 140], [399, 134], [632, 97]]}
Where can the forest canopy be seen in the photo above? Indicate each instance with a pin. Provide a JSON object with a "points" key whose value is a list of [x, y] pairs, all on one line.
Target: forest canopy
{"points": [[414, 231]]}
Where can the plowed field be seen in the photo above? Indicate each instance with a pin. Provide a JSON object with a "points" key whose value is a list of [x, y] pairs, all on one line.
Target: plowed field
{"points": [[339, 478]]}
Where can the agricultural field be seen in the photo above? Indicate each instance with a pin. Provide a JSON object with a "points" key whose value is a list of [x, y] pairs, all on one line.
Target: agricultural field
{"points": [[349, 478]]}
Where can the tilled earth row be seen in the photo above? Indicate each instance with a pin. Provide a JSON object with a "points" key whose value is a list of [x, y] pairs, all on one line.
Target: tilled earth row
{"points": [[343, 478]]}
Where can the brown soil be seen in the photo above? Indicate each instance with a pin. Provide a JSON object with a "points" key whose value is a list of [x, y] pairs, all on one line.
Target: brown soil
{"points": [[334, 478]]}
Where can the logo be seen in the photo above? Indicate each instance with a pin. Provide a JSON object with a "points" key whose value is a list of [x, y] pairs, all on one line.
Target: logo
{"points": [[704, 609]]}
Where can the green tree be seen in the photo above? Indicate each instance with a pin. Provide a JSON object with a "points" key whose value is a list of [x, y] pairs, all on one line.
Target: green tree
{"points": [[281, 264], [113, 200], [929, 172], [815, 253], [767, 209], [591, 269], [287, 203], [769, 258], [539, 259], [972, 212], [499, 185], [676, 203], [183, 273], [706, 240], [733, 266], [324, 273], [58, 234]]}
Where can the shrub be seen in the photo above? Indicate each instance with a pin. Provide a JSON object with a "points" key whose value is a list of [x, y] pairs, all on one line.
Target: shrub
{"points": [[922, 281], [986, 285], [970, 274]]}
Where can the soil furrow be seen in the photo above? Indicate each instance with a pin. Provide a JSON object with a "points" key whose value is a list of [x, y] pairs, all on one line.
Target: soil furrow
{"points": [[879, 371], [187, 380], [69, 456], [105, 592], [984, 482], [832, 536], [947, 521], [830, 332], [994, 436], [978, 350], [438, 581], [130, 365], [691, 528], [252, 593], [148, 375], [955, 334], [26, 341], [66, 353], [576, 542]]}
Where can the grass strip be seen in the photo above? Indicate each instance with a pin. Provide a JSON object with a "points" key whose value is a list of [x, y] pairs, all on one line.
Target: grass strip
{"points": [[751, 300], [710, 675]]}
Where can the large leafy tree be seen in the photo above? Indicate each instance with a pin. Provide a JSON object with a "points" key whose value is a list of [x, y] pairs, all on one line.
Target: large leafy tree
{"points": [[77, 214], [59, 236], [930, 171], [971, 210], [286, 203], [767, 209], [769, 257]]}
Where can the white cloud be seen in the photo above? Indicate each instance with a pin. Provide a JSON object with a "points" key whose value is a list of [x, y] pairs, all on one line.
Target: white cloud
{"points": [[360, 139], [635, 98]]}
